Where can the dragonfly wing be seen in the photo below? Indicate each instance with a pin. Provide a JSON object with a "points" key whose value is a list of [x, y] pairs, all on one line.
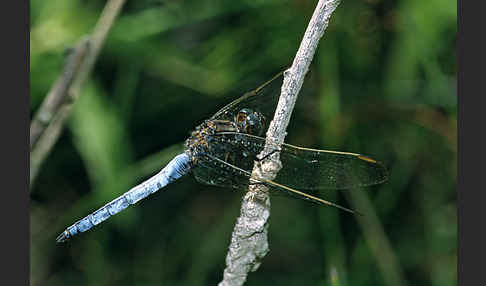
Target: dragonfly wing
{"points": [[263, 99], [322, 169], [229, 149], [311, 169], [210, 171], [215, 171]]}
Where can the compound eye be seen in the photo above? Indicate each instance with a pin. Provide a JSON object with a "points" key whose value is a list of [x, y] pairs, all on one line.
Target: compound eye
{"points": [[242, 115], [250, 122], [256, 124]]}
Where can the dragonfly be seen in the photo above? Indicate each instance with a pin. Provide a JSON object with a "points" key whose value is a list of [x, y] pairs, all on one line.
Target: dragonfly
{"points": [[223, 149]]}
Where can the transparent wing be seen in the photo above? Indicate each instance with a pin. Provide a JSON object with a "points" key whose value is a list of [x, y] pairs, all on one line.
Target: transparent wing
{"points": [[303, 168], [263, 99], [321, 169], [211, 171], [215, 171]]}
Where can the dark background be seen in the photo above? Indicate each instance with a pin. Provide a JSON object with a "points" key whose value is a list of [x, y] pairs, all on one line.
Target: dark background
{"points": [[382, 83]]}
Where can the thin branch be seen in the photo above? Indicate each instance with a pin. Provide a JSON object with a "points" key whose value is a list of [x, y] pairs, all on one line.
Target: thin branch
{"points": [[249, 243], [49, 120], [58, 92]]}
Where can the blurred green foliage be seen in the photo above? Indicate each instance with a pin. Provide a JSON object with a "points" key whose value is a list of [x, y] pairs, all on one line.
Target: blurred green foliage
{"points": [[382, 83]]}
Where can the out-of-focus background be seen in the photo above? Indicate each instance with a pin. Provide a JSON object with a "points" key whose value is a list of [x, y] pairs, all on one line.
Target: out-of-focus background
{"points": [[382, 83]]}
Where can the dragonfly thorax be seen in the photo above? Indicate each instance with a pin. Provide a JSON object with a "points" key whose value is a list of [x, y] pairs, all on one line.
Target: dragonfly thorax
{"points": [[246, 121], [200, 139]]}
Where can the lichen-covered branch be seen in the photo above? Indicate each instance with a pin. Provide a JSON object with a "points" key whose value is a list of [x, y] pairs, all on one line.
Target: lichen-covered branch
{"points": [[49, 120], [249, 242]]}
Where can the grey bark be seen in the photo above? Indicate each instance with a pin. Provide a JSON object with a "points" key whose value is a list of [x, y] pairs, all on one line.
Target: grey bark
{"points": [[249, 243]]}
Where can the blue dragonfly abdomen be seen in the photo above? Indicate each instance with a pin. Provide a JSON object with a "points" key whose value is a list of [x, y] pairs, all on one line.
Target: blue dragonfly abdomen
{"points": [[177, 167]]}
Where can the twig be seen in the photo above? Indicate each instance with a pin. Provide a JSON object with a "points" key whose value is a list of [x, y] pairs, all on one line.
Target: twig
{"points": [[249, 242], [58, 92], [56, 108]]}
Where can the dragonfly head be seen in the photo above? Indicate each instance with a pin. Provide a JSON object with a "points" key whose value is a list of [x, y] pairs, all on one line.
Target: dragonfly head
{"points": [[250, 122]]}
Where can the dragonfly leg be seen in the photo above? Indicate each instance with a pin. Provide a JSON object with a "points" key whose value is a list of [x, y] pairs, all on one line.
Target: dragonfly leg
{"points": [[268, 155]]}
